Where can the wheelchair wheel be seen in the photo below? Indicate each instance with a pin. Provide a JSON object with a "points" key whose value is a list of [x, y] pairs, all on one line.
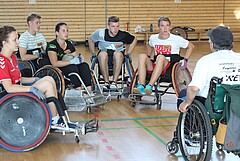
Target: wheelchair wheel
{"points": [[27, 68], [24, 122], [195, 133], [180, 78], [54, 72], [179, 31]]}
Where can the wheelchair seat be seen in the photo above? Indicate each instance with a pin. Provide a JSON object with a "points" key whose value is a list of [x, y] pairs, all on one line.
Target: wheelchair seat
{"points": [[124, 79]]}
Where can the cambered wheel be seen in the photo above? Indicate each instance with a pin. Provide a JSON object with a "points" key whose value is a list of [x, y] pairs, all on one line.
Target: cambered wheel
{"points": [[27, 68], [179, 31], [180, 78], [24, 122], [55, 73], [195, 133]]}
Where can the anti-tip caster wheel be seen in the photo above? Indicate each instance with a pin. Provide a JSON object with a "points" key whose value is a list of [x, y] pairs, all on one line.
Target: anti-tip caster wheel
{"points": [[77, 139], [89, 110], [172, 147], [118, 97], [133, 104]]}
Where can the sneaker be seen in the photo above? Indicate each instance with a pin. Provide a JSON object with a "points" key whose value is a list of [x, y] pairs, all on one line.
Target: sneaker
{"points": [[148, 89], [61, 123], [113, 86], [139, 89], [106, 87]]}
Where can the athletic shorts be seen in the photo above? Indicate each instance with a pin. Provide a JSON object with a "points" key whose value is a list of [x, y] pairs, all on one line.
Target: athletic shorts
{"points": [[110, 57], [172, 58]]}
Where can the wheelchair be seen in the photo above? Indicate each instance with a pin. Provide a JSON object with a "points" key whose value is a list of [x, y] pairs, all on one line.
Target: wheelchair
{"points": [[203, 120], [74, 98], [123, 82], [175, 77], [25, 121]]}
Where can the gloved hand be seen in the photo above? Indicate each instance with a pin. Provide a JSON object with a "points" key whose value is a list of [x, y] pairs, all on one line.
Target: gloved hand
{"points": [[37, 93], [75, 60], [81, 58], [184, 63], [93, 56], [129, 56]]}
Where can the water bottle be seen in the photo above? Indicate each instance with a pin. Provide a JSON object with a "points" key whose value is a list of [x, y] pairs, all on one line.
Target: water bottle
{"points": [[151, 28]]}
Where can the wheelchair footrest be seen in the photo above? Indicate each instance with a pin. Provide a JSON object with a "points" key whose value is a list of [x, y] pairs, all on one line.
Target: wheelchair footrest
{"points": [[142, 99], [96, 100], [90, 126]]}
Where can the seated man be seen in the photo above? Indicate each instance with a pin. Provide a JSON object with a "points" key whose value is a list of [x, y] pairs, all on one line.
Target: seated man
{"points": [[222, 63], [112, 44], [166, 50], [32, 43]]}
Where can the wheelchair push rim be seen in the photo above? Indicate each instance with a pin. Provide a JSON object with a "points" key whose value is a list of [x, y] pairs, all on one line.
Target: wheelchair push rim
{"points": [[195, 133], [25, 122]]}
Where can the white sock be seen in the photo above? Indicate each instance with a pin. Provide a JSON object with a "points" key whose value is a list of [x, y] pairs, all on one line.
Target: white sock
{"points": [[55, 119]]}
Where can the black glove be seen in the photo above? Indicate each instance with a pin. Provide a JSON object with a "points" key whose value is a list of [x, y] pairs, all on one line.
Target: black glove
{"points": [[37, 93], [93, 56]]}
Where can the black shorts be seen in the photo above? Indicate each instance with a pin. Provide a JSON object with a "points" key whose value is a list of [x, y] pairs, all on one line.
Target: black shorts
{"points": [[173, 57], [110, 57]]}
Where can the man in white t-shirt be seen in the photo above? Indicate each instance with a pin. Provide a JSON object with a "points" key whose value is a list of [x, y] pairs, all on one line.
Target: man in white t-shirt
{"points": [[166, 48], [222, 63], [31, 42]]}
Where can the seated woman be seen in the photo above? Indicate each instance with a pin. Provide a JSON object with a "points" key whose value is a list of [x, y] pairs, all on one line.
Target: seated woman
{"points": [[60, 47], [10, 76]]}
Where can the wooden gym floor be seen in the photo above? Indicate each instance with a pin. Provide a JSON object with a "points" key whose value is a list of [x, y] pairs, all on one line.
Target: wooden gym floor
{"points": [[125, 134]]}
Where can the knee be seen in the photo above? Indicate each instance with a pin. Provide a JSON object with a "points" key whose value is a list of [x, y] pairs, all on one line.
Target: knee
{"points": [[161, 59], [49, 81], [102, 55], [142, 57]]}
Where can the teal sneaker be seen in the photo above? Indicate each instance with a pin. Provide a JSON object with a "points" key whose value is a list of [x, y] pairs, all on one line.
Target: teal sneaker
{"points": [[148, 89], [139, 89]]}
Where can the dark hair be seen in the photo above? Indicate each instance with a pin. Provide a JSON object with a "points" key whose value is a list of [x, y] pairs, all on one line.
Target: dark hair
{"points": [[221, 37], [113, 19], [4, 34], [163, 18], [33, 16], [58, 25]]}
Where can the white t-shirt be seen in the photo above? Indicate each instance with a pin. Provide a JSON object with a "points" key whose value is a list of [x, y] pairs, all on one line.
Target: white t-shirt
{"points": [[222, 64], [171, 45]]}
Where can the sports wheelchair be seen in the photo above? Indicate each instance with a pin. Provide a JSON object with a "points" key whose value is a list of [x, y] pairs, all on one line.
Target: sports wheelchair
{"points": [[25, 121], [123, 82], [204, 119], [65, 87], [175, 77]]}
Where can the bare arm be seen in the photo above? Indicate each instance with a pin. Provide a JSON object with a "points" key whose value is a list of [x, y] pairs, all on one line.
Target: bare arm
{"points": [[91, 45], [25, 56], [191, 93], [189, 51], [55, 62], [132, 45], [150, 51], [13, 88]]}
